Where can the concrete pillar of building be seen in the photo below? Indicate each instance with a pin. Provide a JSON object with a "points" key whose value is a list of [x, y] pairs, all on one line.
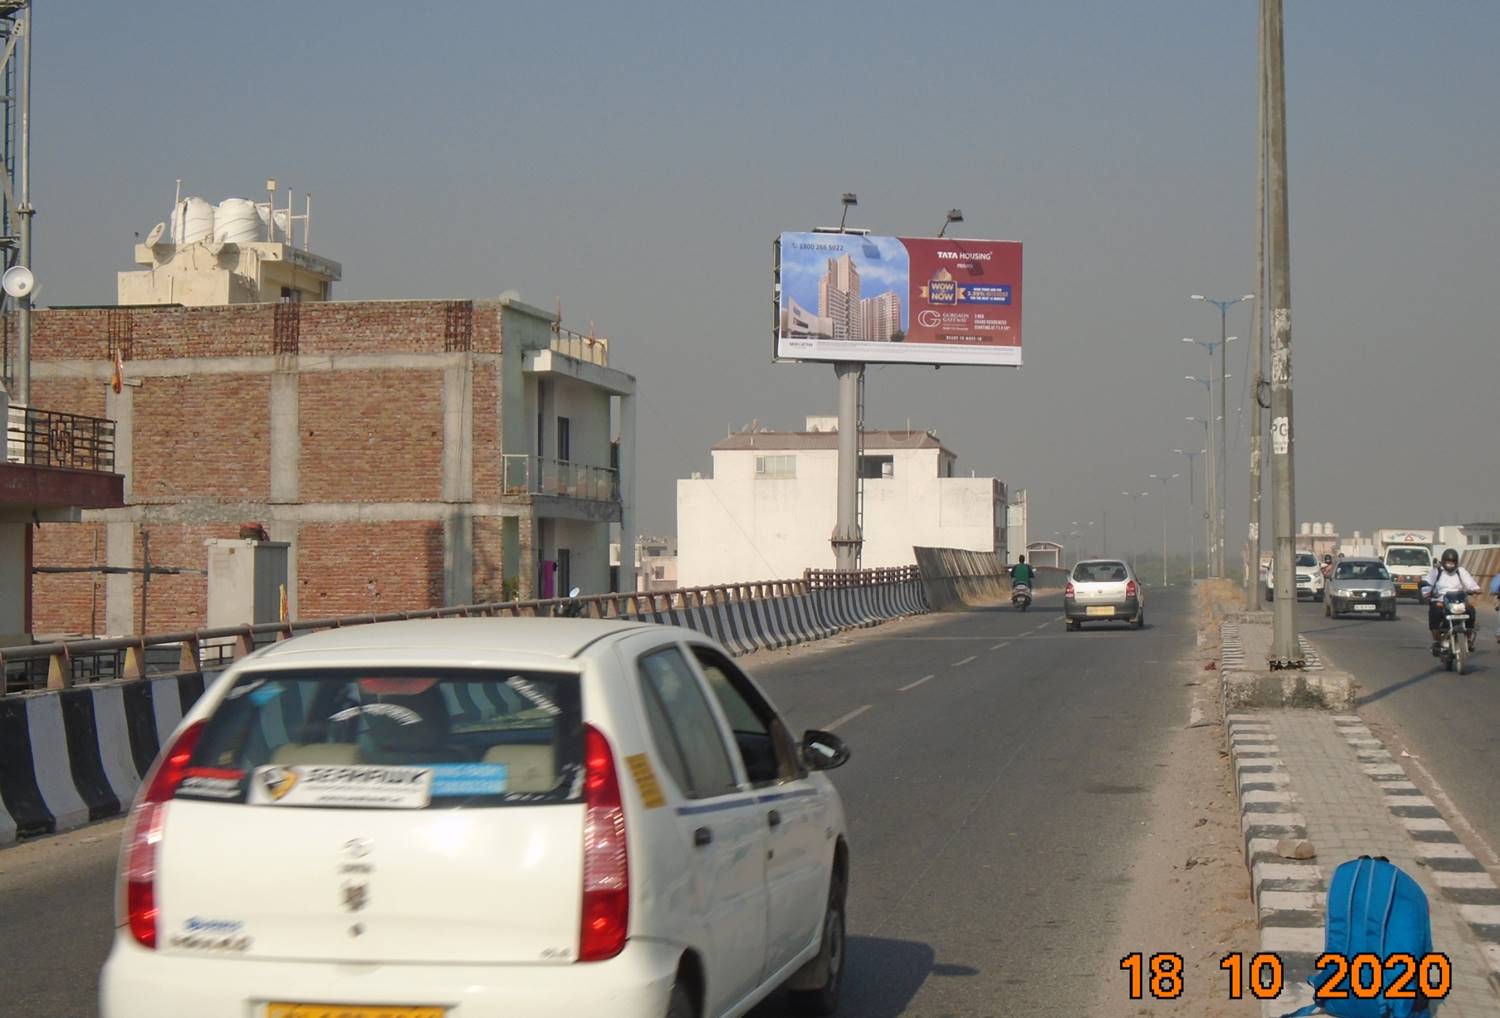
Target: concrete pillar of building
{"points": [[528, 556], [15, 583], [627, 488], [119, 534], [286, 431], [458, 482], [510, 553], [289, 532]]}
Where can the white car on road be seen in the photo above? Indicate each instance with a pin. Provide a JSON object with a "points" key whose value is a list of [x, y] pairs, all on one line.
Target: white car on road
{"points": [[482, 818], [1309, 577]]}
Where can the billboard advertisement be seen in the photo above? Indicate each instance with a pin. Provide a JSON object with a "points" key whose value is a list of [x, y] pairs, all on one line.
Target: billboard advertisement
{"points": [[898, 300]]}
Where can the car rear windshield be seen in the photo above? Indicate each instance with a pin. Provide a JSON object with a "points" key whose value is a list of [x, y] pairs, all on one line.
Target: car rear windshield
{"points": [[1361, 571], [392, 738], [1408, 557], [1100, 572]]}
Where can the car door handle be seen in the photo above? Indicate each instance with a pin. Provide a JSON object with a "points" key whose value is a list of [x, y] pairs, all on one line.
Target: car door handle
{"points": [[774, 818], [702, 836]]}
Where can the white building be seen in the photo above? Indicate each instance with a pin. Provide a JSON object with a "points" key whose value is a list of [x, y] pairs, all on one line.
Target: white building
{"points": [[881, 316], [768, 510], [1017, 523], [1462, 536]]}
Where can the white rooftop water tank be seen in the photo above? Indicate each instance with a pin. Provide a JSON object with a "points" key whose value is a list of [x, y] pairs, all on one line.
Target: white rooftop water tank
{"points": [[192, 221], [281, 221], [1306, 529], [236, 221]]}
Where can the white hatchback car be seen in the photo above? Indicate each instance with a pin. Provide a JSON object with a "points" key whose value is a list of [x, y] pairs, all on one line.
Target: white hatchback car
{"points": [[482, 818]]}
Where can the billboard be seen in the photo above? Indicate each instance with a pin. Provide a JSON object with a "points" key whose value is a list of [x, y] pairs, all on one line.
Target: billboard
{"points": [[898, 300]]}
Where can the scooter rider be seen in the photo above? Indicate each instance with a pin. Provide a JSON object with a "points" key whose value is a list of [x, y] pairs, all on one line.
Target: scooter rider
{"points": [[1021, 572], [1448, 578]]}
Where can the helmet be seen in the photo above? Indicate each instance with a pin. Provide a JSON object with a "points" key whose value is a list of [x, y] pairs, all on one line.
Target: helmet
{"points": [[1327, 558], [1450, 556]]}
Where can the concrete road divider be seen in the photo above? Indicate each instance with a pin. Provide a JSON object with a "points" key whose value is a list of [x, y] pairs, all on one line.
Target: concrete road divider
{"points": [[79, 739]]}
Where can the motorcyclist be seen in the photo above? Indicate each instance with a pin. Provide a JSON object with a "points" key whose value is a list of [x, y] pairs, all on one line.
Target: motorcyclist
{"points": [[1447, 578], [1021, 572]]}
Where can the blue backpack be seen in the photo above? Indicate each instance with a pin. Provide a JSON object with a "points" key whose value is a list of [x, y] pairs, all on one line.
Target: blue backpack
{"points": [[1375, 908]]}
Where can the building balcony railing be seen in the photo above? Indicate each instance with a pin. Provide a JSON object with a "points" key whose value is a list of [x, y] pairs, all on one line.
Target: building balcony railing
{"points": [[50, 438], [525, 474], [593, 349]]}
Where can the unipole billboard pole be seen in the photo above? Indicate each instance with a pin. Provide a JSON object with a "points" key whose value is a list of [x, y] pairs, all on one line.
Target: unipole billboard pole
{"points": [[846, 531], [1285, 650], [1257, 335]]}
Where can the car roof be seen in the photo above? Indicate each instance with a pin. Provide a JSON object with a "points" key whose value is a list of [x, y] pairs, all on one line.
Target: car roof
{"points": [[456, 638]]}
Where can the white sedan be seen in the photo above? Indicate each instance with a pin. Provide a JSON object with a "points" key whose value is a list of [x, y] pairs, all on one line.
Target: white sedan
{"points": [[482, 818]]}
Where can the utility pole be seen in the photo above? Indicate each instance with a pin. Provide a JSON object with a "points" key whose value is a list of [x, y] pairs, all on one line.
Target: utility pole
{"points": [[1257, 332], [1285, 651], [24, 211]]}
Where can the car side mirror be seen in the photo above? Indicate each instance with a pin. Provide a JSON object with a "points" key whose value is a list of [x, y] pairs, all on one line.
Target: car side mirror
{"points": [[823, 751]]}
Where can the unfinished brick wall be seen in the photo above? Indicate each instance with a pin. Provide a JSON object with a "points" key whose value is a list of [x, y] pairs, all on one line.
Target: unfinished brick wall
{"points": [[489, 553], [350, 568], [202, 436], [65, 603], [372, 436]]}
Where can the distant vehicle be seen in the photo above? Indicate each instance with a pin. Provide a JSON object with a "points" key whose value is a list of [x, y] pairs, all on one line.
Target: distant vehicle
{"points": [[492, 818], [1360, 586], [1309, 575], [1020, 596], [1103, 590], [1408, 556]]}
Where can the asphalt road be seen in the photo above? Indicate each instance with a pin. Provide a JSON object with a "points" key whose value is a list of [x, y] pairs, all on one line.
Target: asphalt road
{"points": [[992, 806], [1451, 722]]}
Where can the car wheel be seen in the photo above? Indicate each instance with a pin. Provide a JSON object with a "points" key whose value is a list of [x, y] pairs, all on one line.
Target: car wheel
{"points": [[1074, 625], [825, 999], [681, 1005]]}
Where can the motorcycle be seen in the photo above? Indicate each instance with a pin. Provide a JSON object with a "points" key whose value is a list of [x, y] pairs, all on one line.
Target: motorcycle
{"points": [[1020, 597], [572, 608], [1456, 638]]}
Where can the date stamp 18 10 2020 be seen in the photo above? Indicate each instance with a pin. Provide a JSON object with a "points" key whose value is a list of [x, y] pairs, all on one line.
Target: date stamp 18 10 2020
{"points": [[1263, 976]]}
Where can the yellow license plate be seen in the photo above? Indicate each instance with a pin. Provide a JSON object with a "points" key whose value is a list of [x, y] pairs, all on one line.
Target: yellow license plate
{"points": [[351, 1011], [1101, 609]]}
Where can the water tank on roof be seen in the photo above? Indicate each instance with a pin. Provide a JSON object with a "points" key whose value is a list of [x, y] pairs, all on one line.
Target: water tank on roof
{"points": [[236, 221], [1306, 529], [192, 221], [281, 221]]}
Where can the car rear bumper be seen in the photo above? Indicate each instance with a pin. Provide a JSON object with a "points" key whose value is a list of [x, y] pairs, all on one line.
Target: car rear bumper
{"points": [[1092, 611], [137, 983]]}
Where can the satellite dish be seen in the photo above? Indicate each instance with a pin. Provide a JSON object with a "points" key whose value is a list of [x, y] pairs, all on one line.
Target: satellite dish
{"points": [[154, 237], [18, 281]]}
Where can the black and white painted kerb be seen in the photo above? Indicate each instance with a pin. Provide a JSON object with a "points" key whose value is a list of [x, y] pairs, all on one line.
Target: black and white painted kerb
{"points": [[1460, 877], [1232, 650], [1288, 893]]}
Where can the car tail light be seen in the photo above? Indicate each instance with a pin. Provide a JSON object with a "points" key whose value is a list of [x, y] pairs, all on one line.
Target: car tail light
{"points": [[143, 835], [1070, 591], [1131, 589], [606, 861]]}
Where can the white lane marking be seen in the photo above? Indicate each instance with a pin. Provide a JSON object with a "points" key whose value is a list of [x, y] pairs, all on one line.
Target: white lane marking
{"points": [[914, 685], [856, 712], [960, 664], [999, 645]]}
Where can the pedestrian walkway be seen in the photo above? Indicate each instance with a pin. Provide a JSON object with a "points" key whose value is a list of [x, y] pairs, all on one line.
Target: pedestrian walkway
{"points": [[1327, 778]]}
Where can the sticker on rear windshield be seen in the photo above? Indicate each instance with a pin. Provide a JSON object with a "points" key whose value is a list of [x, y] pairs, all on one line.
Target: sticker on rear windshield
{"points": [[367, 787], [469, 779]]}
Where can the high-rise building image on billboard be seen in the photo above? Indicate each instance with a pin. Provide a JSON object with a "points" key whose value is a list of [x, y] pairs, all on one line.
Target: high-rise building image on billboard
{"points": [[882, 317], [838, 298]]}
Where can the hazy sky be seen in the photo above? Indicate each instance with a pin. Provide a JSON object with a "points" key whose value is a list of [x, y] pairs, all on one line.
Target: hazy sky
{"points": [[638, 159]]}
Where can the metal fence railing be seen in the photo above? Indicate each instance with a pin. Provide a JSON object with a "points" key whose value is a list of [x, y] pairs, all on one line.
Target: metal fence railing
{"points": [[525, 474], [50, 438], [592, 349], [69, 663]]}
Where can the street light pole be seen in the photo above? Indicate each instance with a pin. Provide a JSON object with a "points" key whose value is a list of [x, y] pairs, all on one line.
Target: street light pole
{"points": [[1192, 458], [1221, 469], [1258, 337], [1165, 480], [1133, 497], [1215, 498]]}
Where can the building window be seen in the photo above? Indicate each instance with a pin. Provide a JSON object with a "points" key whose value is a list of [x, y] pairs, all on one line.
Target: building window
{"points": [[564, 439], [772, 467], [659, 572], [874, 468]]}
